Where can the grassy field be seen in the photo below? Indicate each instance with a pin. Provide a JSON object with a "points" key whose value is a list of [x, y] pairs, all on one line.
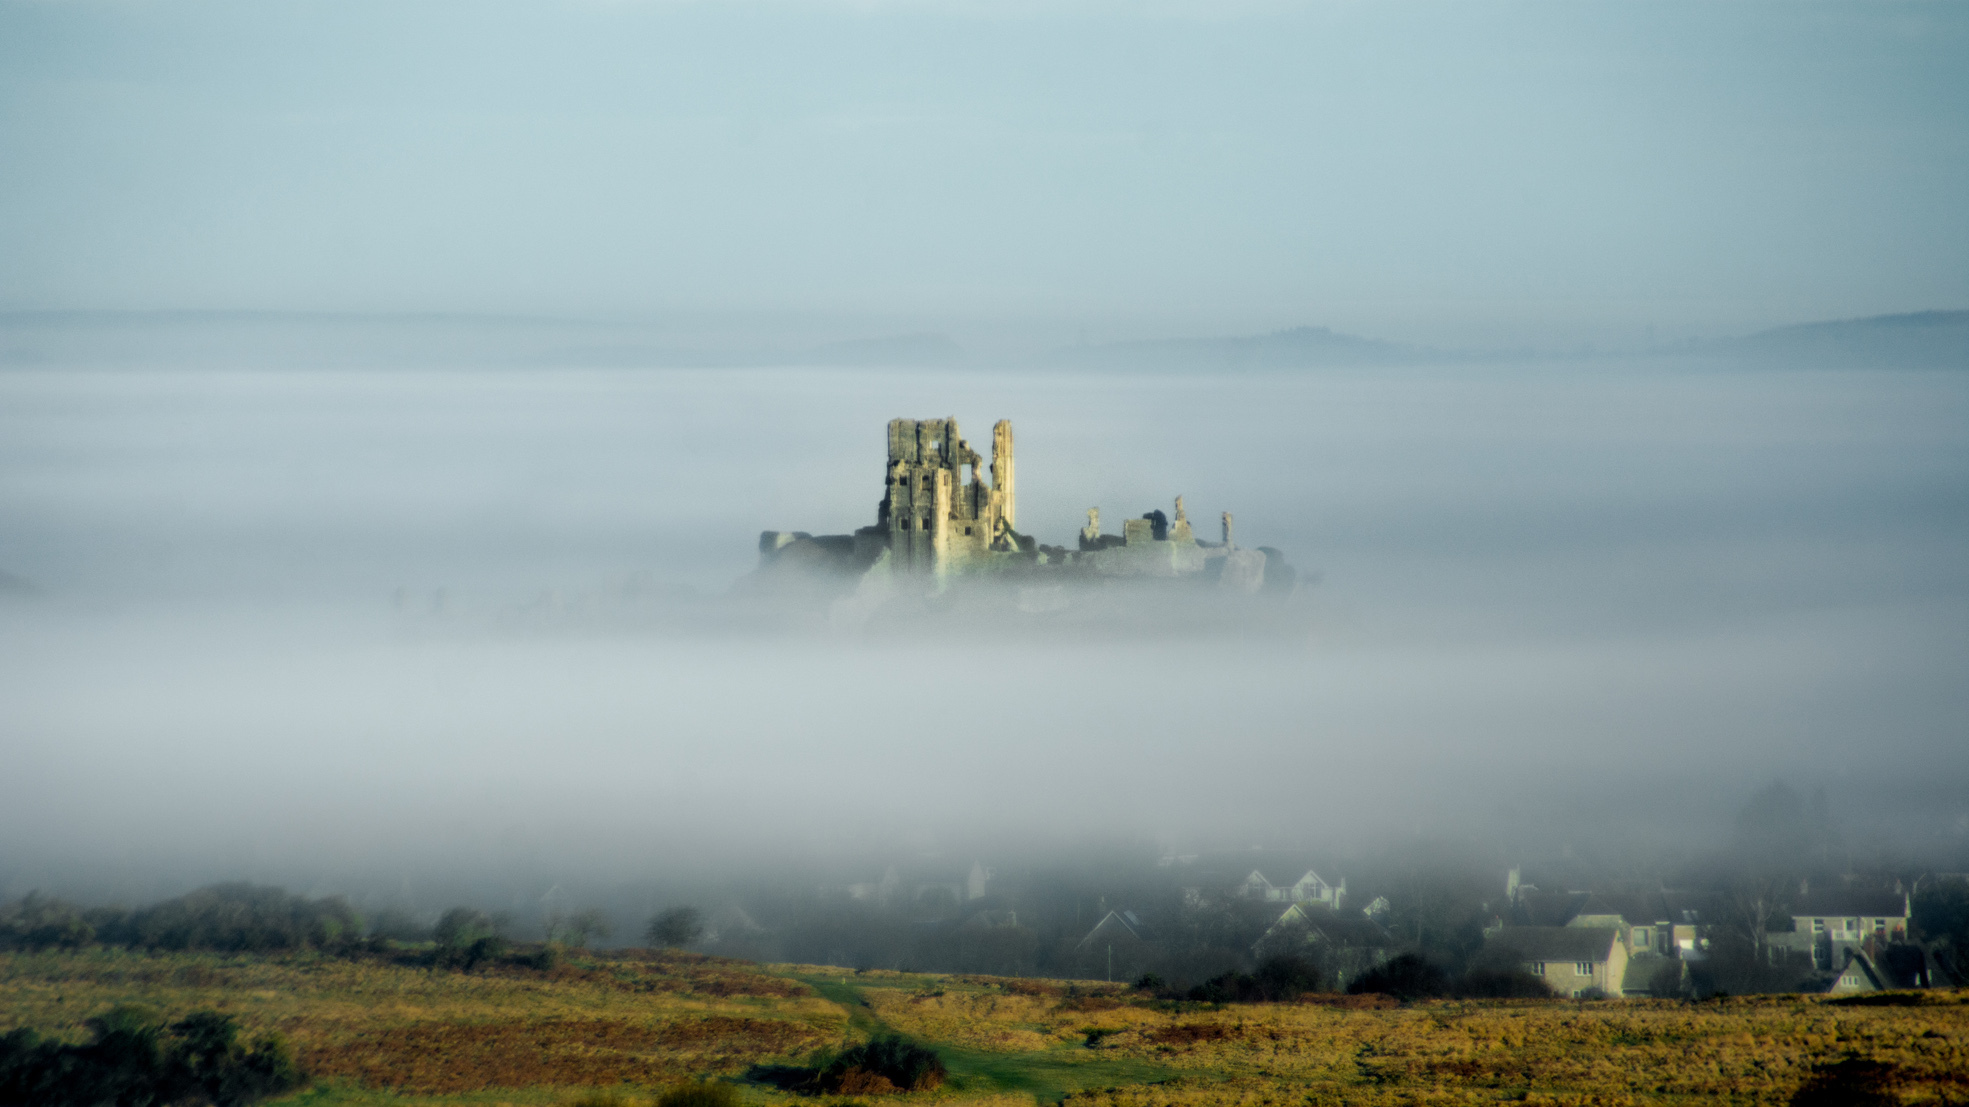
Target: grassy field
{"points": [[371, 1031]]}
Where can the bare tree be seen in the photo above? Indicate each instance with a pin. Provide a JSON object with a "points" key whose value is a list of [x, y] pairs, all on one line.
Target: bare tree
{"points": [[1756, 899]]}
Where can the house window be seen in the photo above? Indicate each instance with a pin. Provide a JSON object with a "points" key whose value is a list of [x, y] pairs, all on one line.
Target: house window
{"points": [[967, 530], [1538, 968], [1583, 968], [1818, 926], [1640, 935], [1853, 925], [1880, 924]]}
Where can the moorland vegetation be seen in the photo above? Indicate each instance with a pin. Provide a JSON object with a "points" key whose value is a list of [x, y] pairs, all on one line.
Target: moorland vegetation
{"points": [[632, 1026]]}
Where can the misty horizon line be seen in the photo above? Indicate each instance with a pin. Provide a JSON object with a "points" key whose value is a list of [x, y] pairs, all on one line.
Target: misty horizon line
{"points": [[1941, 335]]}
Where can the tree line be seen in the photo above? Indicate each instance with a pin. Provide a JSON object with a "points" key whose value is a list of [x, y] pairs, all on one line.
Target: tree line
{"points": [[248, 918]]}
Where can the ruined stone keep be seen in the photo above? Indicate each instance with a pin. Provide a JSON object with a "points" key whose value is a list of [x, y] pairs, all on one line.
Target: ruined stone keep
{"points": [[940, 519]]}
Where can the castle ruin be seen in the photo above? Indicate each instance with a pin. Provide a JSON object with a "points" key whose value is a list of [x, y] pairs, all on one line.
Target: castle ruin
{"points": [[940, 519]]}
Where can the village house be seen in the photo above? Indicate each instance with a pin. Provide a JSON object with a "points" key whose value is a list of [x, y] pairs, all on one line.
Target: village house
{"points": [[1859, 975], [1118, 944], [1573, 961], [1308, 888], [1664, 922], [1345, 946], [1831, 926]]}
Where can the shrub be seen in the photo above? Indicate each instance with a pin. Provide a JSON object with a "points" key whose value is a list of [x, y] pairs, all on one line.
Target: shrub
{"points": [[132, 1058], [884, 1065], [542, 957], [467, 938], [679, 926], [1278, 978], [235, 918], [1286, 977], [207, 1057], [1501, 984], [461, 926], [37, 923], [1406, 977]]}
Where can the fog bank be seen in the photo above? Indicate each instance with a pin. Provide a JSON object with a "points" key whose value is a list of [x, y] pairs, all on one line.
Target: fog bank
{"points": [[338, 628]]}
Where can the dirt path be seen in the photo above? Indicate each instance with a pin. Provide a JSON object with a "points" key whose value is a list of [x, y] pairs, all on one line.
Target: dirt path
{"points": [[1048, 1075]]}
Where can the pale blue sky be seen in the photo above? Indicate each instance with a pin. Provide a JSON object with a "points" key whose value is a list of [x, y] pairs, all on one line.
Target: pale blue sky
{"points": [[1465, 173]]}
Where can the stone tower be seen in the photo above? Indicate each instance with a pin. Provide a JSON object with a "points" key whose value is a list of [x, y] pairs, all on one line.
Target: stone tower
{"points": [[938, 519]]}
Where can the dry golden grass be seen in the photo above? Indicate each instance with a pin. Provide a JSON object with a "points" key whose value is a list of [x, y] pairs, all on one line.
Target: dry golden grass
{"points": [[638, 1024], [1752, 1050], [455, 1057], [646, 1020]]}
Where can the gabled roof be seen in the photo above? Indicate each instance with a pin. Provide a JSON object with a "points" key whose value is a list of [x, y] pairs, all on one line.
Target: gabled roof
{"points": [[1904, 965], [1115, 924], [1536, 908], [1634, 908], [1859, 975], [1549, 908], [1324, 924], [1230, 868], [1833, 903], [1557, 943]]}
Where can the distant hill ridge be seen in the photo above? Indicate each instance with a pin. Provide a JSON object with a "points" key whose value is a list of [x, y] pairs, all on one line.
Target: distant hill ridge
{"points": [[1916, 340], [1291, 348]]}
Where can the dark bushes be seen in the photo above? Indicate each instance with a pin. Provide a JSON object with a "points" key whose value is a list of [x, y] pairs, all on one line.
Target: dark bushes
{"points": [[1277, 979], [230, 918], [1406, 977], [679, 926], [883, 1066], [1412, 976], [467, 938], [1501, 984], [233, 918], [37, 923], [133, 1059]]}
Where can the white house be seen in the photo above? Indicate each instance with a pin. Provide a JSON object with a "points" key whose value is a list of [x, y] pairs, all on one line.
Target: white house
{"points": [[1310, 888]]}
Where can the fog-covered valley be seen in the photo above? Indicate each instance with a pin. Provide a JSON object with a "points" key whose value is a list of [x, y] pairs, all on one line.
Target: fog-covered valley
{"points": [[375, 631]]}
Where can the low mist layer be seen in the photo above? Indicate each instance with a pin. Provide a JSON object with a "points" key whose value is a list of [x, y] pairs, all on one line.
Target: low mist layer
{"points": [[375, 631]]}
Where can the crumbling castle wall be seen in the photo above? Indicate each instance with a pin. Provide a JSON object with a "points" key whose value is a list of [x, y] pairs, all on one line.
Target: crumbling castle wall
{"points": [[941, 517]]}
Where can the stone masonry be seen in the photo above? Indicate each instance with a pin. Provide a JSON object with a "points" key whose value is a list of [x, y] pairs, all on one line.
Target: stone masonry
{"points": [[941, 518]]}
